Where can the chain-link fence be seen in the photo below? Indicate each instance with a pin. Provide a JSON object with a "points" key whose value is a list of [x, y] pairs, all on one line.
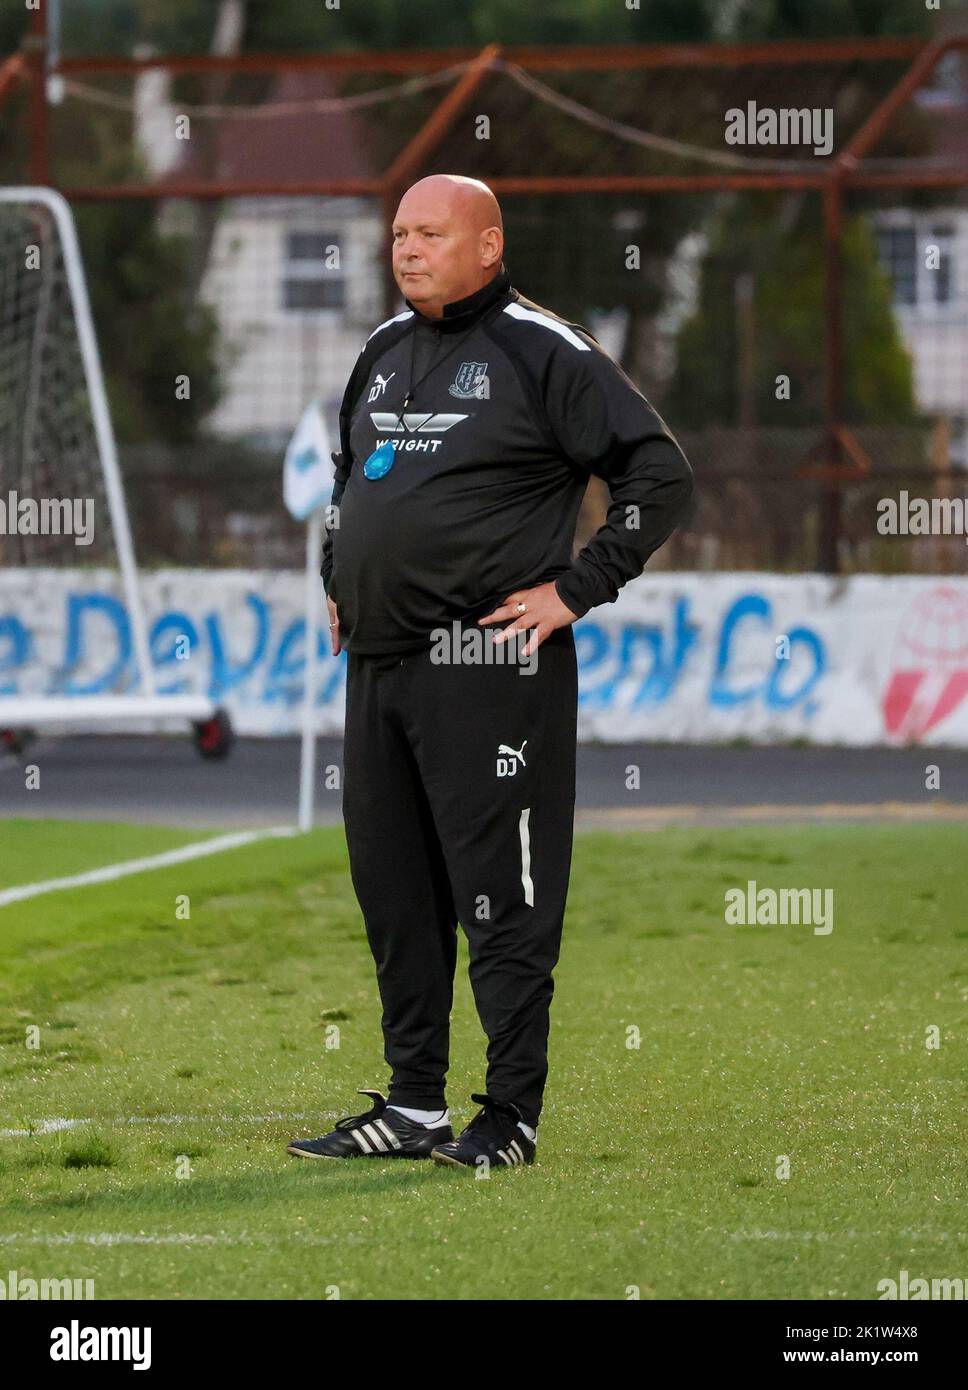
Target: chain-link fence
{"points": [[809, 351]]}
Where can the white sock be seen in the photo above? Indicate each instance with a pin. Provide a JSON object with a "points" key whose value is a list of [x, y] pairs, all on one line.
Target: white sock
{"points": [[531, 1133], [432, 1119]]}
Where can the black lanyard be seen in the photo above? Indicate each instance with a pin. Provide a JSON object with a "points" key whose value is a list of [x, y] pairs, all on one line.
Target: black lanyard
{"points": [[408, 399]]}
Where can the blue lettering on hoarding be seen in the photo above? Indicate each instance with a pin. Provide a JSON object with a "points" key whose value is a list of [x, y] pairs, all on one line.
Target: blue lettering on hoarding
{"points": [[610, 661], [18, 644], [164, 653], [778, 699], [720, 692], [725, 695], [628, 666], [657, 675], [284, 678], [116, 675], [225, 675]]}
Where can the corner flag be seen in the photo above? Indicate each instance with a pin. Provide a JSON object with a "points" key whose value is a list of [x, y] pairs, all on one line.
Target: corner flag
{"points": [[307, 479]]}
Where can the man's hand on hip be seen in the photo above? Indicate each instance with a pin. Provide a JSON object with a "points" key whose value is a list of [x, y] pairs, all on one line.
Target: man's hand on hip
{"points": [[543, 610]]}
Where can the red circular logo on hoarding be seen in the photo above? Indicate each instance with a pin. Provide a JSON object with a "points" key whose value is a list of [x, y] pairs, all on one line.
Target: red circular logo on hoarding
{"points": [[930, 677]]}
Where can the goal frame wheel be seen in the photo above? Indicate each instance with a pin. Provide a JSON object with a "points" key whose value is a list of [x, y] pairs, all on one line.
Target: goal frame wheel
{"points": [[214, 737], [15, 741]]}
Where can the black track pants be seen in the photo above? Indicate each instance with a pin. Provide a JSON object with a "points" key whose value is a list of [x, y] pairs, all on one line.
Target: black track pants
{"points": [[458, 801]]}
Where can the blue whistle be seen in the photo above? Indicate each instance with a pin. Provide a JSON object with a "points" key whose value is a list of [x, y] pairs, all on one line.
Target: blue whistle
{"points": [[380, 461]]}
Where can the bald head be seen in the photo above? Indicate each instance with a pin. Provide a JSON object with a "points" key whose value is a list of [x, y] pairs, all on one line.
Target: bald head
{"points": [[448, 240]]}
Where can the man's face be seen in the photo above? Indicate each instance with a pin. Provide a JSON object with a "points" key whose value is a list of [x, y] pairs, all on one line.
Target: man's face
{"points": [[440, 252]]}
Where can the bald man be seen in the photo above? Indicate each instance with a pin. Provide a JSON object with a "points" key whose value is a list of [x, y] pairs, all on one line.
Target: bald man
{"points": [[469, 429]]}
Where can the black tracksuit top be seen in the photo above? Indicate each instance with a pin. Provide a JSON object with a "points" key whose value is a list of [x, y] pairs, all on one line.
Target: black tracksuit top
{"points": [[512, 409]]}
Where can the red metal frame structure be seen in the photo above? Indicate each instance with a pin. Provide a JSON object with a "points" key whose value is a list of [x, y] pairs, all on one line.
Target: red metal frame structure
{"points": [[838, 456]]}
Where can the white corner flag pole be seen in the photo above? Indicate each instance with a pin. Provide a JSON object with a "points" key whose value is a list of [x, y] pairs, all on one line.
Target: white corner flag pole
{"points": [[307, 759], [307, 484]]}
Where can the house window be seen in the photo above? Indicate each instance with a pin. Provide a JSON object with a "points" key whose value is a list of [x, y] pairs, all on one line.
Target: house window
{"points": [[898, 251], [313, 276], [939, 280], [903, 252]]}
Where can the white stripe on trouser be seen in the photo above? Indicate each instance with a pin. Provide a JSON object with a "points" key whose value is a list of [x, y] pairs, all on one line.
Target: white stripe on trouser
{"points": [[526, 856]]}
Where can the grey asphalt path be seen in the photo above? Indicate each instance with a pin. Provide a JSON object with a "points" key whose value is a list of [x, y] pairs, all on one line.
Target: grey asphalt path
{"points": [[163, 781]]}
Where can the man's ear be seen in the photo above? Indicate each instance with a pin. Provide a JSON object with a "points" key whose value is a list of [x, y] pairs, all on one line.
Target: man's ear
{"points": [[491, 243]]}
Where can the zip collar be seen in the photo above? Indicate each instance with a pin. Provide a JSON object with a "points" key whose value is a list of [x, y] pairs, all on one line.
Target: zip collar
{"points": [[462, 313]]}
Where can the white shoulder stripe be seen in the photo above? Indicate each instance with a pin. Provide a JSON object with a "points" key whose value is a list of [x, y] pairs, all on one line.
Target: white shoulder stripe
{"points": [[518, 311], [398, 318]]}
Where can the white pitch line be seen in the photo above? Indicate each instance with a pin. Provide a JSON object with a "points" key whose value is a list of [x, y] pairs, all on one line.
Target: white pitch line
{"points": [[175, 1238], [59, 1123], [927, 1237], [45, 1127], [124, 1238], [197, 850]]}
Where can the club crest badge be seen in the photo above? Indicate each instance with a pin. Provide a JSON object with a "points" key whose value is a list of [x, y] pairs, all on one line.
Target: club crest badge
{"points": [[471, 382]]}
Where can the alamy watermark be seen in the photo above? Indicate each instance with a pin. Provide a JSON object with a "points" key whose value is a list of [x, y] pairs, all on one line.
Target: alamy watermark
{"points": [[475, 646], [50, 516], [906, 1289], [786, 125], [18, 1288], [769, 907], [921, 516], [77, 1343]]}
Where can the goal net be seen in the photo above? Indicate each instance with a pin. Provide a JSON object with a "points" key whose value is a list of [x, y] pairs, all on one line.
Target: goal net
{"points": [[59, 476]]}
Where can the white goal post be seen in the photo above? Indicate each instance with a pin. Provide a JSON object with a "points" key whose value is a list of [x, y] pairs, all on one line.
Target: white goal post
{"points": [[37, 343]]}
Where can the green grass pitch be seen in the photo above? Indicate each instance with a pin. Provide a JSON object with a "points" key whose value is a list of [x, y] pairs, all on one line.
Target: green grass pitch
{"points": [[193, 1050]]}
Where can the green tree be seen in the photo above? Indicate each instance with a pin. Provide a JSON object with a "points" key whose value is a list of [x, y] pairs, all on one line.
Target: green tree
{"points": [[787, 314], [828, 19], [150, 329]]}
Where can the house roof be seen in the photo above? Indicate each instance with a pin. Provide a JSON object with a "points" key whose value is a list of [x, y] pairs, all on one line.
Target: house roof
{"points": [[292, 146]]}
